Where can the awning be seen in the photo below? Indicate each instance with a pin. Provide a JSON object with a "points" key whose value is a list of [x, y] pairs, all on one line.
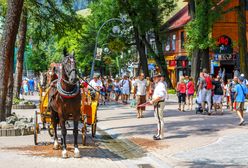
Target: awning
{"points": [[182, 58]]}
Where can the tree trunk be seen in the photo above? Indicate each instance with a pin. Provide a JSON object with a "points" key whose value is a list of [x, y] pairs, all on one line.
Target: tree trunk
{"points": [[20, 54], [195, 65], [7, 45], [162, 61], [191, 5], [204, 55], [9, 96], [159, 58], [242, 38], [142, 55]]}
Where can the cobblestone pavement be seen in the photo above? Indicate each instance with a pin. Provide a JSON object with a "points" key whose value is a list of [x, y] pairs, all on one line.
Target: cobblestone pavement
{"points": [[122, 140]]}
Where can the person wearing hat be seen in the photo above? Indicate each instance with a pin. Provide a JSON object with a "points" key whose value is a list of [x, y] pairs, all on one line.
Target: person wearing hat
{"points": [[245, 81], [241, 92], [95, 83], [158, 100]]}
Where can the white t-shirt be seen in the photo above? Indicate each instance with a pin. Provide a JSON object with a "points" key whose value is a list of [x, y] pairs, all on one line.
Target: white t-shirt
{"points": [[95, 84], [141, 87], [124, 84], [159, 91]]}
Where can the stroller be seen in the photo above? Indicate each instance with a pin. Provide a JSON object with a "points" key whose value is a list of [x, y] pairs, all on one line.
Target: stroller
{"points": [[199, 109]]}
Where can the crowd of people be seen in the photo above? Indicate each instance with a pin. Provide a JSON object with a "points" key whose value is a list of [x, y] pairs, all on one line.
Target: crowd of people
{"points": [[213, 91]]}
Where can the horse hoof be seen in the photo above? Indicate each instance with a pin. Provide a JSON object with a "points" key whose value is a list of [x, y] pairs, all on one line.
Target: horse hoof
{"points": [[64, 154], [56, 145], [76, 153]]}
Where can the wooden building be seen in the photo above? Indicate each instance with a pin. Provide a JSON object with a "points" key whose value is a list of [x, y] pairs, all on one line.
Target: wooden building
{"points": [[225, 31]]}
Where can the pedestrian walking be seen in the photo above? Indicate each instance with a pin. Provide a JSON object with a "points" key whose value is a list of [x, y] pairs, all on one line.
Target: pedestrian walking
{"points": [[218, 88], [227, 94], [117, 89], [158, 100], [31, 86], [109, 89], [125, 88], [205, 86], [181, 89], [140, 87], [25, 86], [241, 93], [190, 92], [232, 92]]}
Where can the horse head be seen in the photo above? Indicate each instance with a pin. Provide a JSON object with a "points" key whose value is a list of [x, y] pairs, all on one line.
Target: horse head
{"points": [[43, 79], [69, 70]]}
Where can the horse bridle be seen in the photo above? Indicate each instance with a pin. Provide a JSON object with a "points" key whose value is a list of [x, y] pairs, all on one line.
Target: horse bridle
{"points": [[68, 73]]}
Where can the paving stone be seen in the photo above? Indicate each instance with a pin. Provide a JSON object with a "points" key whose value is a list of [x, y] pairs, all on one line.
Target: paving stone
{"points": [[228, 150]]}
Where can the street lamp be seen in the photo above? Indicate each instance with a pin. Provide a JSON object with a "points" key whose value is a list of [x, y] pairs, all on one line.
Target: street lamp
{"points": [[116, 29]]}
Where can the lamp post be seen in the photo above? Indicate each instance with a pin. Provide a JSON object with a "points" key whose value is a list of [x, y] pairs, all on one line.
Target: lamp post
{"points": [[122, 20]]}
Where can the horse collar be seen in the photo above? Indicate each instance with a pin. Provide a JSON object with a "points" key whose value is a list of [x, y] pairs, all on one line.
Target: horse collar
{"points": [[68, 95]]}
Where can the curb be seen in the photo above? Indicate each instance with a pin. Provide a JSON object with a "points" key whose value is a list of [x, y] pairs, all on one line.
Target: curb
{"points": [[25, 106], [16, 132]]}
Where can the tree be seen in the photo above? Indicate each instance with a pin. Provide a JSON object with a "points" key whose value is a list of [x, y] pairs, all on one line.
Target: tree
{"points": [[20, 54], [7, 45], [242, 43], [204, 13], [147, 17]]}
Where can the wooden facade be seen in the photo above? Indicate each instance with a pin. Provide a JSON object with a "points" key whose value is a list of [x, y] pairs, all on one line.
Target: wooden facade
{"points": [[226, 28]]}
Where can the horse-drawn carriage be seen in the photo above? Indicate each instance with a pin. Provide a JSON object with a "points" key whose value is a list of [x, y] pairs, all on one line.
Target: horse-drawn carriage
{"points": [[66, 99]]}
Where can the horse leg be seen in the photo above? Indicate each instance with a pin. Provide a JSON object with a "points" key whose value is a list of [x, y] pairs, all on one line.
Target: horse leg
{"points": [[63, 130], [55, 123], [75, 133]]}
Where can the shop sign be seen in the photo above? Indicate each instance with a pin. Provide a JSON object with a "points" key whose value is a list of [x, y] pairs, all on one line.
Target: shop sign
{"points": [[224, 45], [172, 63], [219, 57]]}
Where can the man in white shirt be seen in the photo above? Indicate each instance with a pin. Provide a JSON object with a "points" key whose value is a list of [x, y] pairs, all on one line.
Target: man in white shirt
{"points": [[95, 83], [158, 100], [140, 86]]}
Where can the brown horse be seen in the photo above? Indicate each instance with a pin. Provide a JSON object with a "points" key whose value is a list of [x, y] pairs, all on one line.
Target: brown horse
{"points": [[65, 103]]}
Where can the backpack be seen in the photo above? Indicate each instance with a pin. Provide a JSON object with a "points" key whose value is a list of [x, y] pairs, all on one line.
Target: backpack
{"points": [[209, 85]]}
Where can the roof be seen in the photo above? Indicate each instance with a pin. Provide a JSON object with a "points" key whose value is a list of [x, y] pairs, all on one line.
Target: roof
{"points": [[180, 19]]}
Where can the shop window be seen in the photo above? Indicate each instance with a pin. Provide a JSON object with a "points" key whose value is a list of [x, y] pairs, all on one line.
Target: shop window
{"points": [[173, 43], [168, 44], [182, 40]]}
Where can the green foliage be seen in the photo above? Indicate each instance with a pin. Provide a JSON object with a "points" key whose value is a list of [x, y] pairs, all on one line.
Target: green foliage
{"points": [[199, 30], [38, 61], [147, 15]]}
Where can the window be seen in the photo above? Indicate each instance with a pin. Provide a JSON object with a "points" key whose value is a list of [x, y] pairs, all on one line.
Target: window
{"points": [[168, 45], [173, 42], [246, 4], [182, 40]]}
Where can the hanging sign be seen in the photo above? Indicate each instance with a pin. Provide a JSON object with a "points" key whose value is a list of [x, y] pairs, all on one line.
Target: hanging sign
{"points": [[224, 45]]}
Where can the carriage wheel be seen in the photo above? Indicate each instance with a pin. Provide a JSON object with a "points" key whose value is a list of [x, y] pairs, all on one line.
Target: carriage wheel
{"points": [[84, 130], [50, 130], [36, 128]]}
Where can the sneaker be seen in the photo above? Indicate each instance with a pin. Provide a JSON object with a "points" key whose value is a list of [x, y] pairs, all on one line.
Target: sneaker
{"points": [[157, 138], [242, 123]]}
